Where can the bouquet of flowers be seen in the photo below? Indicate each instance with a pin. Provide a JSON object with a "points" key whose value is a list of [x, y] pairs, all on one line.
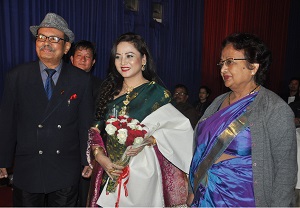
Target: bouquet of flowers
{"points": [[127, 132]]}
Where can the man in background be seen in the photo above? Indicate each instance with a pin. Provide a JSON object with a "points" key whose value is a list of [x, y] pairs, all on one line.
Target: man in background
{"points": [[46, 111], [293, 94], [203, 101], [180, 101], [83, 56]]}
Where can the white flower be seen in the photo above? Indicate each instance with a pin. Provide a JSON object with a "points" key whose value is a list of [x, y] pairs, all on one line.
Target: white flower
{"points": [[123, 121], [139, 127], [132, 125], [122, 135], [138, 140], [134, 121], [110, 120], [110, 129]]}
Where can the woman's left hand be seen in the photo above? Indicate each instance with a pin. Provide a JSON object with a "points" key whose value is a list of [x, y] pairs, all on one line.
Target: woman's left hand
{"points": [[190, 199], [134, 151]]}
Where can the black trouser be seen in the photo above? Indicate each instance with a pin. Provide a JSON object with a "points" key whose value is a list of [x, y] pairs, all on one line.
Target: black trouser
{"points": [[66, 197], [84, 186]]}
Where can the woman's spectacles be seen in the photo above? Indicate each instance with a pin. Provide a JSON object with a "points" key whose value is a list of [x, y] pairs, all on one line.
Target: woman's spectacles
{"points": [[52, 39], [229, 61]]}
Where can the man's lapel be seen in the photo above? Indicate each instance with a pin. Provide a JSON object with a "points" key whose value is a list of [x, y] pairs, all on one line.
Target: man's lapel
{"points": [[33, 86]]}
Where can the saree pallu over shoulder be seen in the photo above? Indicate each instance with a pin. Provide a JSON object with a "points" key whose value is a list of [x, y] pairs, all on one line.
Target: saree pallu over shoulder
{"points": [[223, 141], [213, 136], [173, 134]]}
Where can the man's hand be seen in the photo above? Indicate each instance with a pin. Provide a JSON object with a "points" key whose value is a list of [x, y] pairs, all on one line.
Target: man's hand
{"points": [[87, 172], [3, 173]]}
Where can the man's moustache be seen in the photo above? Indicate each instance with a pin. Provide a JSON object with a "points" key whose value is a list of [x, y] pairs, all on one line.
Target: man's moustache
{"points": [[46, 46]]}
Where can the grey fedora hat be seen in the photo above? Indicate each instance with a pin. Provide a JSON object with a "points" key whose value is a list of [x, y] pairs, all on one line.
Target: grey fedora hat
{"points": [[53, 20]]}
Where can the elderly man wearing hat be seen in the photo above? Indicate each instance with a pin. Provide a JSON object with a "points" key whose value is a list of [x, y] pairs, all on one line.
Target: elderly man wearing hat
{"points": [[46, 110]]}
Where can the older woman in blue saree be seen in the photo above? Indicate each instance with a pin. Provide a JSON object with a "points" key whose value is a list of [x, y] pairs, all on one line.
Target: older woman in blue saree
{"points": [[236, 173], [245, 142]]}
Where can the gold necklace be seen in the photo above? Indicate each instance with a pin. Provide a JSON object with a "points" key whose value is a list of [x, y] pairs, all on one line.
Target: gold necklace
{"points": [[252, 91], [128, 91], [127, 100]]}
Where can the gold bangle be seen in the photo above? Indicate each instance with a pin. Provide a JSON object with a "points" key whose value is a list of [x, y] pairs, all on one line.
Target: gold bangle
{"points": [[112, 170], [96, 151], [153, 141]]}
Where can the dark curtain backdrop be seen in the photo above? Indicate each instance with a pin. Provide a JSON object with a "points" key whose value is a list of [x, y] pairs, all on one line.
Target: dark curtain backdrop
{"points": [[185, 47], [175, 43], [268, 19], [291, 66]]}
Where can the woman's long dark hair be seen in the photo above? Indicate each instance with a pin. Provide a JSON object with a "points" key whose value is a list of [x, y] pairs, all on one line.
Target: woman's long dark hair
{"points": [[113, 83]]}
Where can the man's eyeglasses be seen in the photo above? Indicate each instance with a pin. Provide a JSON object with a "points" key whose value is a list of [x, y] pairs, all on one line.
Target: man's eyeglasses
{"points": [[52, 39], [180, 93], [229, 61]]}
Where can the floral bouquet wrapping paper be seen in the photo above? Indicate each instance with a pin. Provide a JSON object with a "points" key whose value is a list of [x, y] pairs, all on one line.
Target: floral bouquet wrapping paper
{"points": [[128, 133]]}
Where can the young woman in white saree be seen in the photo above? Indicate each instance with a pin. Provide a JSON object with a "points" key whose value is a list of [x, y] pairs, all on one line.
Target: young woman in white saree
{"points": [[131, 90]]}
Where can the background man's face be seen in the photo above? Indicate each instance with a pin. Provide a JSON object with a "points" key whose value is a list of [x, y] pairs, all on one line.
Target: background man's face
{"points": [[83, 59], [203, 94], [180, 95], [294, 85]]}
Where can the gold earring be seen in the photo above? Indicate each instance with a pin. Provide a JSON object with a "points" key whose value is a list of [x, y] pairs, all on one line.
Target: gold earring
{"points": [[143, 67]]}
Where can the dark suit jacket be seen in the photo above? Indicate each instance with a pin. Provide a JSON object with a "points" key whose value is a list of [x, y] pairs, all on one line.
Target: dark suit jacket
{"points": [[286, 96], [49, 137], [96, 84], [295, 106]]}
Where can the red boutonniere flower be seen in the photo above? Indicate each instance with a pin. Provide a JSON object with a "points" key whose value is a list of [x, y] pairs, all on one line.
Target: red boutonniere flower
{"points": [[73, 97]]}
